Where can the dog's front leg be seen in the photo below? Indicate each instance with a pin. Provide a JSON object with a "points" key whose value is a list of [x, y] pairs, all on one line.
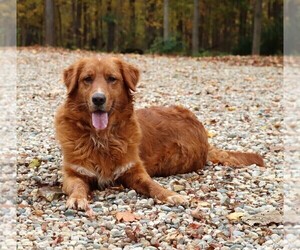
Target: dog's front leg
{"points": [[77, 189], [138, 179]]}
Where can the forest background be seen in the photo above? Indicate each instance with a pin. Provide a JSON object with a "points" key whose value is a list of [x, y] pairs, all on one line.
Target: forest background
{"points": [[184, 27]]}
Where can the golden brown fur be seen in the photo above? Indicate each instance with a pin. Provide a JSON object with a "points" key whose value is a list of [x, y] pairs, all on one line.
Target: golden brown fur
{"points": [[135, 145]]}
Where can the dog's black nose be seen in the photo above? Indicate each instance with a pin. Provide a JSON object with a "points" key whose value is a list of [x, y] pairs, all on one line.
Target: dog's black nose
{"points": [[98, 99]]}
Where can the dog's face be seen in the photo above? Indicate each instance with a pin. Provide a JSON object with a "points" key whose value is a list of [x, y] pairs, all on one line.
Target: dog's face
{"points": [[101, 86]]}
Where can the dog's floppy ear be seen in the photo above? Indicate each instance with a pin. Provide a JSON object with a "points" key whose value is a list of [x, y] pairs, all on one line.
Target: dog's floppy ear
{"points": [[70, 79], [130, 74]]}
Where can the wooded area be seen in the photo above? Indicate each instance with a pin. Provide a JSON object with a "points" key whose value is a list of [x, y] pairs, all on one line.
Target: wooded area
{"points": [[188, 27]]}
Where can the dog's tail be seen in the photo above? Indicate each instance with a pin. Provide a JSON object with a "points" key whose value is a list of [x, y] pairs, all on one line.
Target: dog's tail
{"points": [[232, 158]]}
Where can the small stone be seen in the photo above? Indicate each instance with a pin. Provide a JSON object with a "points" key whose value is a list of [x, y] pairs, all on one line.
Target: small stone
{"points": [[236, 247], [43, 244], [253, 235], [115, 233], [207, 238], [70, 212], [261, 183], [166, 208], [150, 248], [178, 188], [238, 233], [131, 194], [232, 135], [90, 230]]}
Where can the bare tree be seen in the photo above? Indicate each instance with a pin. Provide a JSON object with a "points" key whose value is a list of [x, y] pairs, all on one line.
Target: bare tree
{"points": [[49, 23], [132, 24], [166, 20], [110, 27], [99, 25], [257, 27], [79, 24], [195, 34]]}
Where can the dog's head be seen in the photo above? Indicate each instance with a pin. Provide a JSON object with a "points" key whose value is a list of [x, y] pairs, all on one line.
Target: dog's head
{"points": [[101, 86]]}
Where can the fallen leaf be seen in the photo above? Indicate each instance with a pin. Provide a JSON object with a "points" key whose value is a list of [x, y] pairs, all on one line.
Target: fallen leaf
{"points": [[249, 79], [126, 216], [57, 240], [211, 134], [194, 225], [203, 204], [263, 218], [231, 108], [276, 148], [130, 234], [44, 226], [235, 216], [39, 212], [50, 193], [35, 163], [197, 213]]}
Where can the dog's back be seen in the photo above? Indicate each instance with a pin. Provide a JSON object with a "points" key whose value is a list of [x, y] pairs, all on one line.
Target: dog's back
{"points": [[173, 141]]}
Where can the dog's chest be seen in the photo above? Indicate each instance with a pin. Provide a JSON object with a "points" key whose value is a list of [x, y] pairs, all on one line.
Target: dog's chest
{"points": [[104, 176], [103, 159]]}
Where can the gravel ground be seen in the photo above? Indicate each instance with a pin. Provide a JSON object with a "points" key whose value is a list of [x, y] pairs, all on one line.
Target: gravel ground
{"points": [[240, 105]]}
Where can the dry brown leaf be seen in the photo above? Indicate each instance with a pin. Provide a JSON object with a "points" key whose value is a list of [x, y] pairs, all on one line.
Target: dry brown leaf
{"points": [[276, 148], [235, 216], [44, 226], [39, 212], [126, 216], [35, 163], [50, 193], [211, 134], [130, 234], [231, 108], [197, 214], [57, 240], [263, 218]]}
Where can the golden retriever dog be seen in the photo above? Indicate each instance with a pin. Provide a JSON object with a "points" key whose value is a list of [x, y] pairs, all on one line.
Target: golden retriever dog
{"points": [[104, 140]]}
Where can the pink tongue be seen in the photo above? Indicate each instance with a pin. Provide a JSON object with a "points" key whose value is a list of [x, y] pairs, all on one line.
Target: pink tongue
{"points": [[99, 119]]}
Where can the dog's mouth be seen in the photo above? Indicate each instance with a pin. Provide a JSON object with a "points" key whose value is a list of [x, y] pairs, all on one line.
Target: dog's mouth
{"points": [[100, 119]]}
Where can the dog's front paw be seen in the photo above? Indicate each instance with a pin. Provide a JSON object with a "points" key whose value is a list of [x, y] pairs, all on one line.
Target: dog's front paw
{"points": [[177, 199], [80, 203], [77, 203]]}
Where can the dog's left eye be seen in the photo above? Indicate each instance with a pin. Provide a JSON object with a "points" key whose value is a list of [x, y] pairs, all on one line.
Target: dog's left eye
{"points": [[111, 79], [88, 79]]}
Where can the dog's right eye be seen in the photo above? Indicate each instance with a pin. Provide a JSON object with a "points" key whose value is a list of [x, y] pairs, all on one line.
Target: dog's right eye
{"points": [[88, 79]]}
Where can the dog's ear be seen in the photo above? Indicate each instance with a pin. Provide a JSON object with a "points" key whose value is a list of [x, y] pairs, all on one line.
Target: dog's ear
{"points": [[70, 79], [130, 74]]}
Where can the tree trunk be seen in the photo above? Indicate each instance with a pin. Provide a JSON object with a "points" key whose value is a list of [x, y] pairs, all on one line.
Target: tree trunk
{"points": [[195, 34], [110, 28], [242, 23], [99, 26], [85, 25], [74, 22], [150, 29], [166, 20], [132, 24], [59, 26], [118, 38], [257, 27], [78, 24], [49, 21]]}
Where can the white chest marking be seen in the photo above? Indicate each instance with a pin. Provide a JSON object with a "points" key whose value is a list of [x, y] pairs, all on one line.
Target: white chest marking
{"points": [[122, 169], [83, 171], [102, 181]]}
